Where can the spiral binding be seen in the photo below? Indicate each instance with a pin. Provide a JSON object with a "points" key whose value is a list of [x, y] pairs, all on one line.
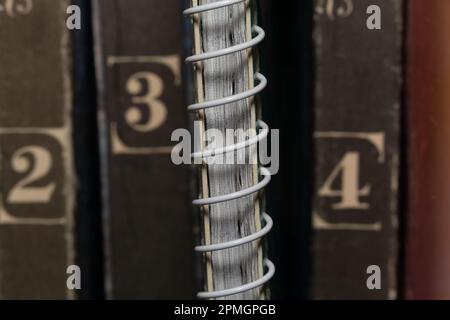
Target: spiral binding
{"points": [[262, 83]]}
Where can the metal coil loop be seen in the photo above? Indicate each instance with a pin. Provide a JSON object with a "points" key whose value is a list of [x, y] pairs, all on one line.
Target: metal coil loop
{"points": [[246, 287], [234, 98], [234, 147], [235, 243], [262, 83], [233, 49]]}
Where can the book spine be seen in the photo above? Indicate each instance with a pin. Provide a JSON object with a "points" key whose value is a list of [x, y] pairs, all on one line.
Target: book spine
{"points": [[89, 255], [428, 122], [357, 100], [232, 267], [36, 169], [289, 238], [193, 177], [146, 206]]}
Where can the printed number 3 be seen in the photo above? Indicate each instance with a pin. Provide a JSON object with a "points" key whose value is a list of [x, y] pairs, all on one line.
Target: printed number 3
{"points": [[157, 109], [22, 192]]}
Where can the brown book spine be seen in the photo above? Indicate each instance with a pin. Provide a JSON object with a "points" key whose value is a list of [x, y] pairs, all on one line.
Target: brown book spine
{"points": [[428, 119], [148, 241], [36, 170]]}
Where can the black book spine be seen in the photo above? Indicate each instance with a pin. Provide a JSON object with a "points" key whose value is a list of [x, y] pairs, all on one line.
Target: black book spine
{"points": [[36, 158], [289, 195], [148, 242], [357, 103], [88, 231]]}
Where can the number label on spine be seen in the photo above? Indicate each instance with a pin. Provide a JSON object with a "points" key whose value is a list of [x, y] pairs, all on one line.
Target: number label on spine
{"points": [[32, 175], [37, 167], [140, 121], [334, 8], [14, 8], [353, 174]]}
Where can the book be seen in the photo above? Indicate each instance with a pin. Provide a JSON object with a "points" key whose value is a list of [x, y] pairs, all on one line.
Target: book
{"points": [[148, 234], [357, 99], [36, 156], [218, 77], [427, 259], [287, 107], [88, 229]]}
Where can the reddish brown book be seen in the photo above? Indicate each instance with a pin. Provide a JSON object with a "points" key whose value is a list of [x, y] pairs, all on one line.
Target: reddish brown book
{"points": [[428, 119]]}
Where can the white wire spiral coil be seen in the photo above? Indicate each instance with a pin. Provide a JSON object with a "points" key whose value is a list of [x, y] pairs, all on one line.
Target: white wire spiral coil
{"points": [[268, 223]]}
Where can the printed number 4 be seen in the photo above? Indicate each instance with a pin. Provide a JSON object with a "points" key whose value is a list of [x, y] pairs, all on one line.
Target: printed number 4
{"points": [[350, 191], [22, 192]]}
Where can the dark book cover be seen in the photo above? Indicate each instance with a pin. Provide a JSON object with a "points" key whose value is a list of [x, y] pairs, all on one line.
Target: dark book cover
{"points": [[286, 60], [427, 261], [148, 242], [36, 164], [89, 255], [357, 100]]}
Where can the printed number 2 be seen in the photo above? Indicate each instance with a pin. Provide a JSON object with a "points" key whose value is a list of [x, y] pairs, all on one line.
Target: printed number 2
{"points": [[22, 192]]}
